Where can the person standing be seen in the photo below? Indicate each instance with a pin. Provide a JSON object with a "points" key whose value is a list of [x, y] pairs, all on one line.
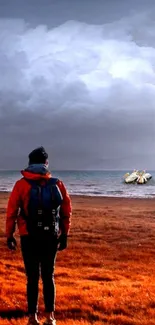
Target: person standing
{"points": [[41, 206]]}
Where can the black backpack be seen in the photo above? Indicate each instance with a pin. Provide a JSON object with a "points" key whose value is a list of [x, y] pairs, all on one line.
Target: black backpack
{"points": [[43, 207]]}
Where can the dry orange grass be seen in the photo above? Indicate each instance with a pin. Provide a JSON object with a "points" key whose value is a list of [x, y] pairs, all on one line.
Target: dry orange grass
{"points": [[107, 274]]}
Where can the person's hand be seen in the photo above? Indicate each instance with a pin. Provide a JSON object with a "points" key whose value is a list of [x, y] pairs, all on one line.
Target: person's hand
{"points": [[62, 242], [11, 243]]}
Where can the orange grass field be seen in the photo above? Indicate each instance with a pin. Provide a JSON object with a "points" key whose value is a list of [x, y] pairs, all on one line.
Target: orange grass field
{"points": [[107, 274]]}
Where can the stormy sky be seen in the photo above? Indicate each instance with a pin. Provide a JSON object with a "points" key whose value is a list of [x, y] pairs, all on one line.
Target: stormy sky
{"points": [[78, 77]]}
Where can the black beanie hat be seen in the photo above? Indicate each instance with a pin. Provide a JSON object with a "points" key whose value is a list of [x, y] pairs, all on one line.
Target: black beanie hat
{"points": [[38, 156]]}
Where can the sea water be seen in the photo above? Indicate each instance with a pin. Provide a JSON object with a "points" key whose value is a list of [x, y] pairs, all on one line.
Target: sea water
{"points": [[90, 183]]}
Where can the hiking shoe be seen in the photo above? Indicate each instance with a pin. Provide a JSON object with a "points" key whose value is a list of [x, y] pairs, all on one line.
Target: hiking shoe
{"points": [[33, 321], [50, 322]]}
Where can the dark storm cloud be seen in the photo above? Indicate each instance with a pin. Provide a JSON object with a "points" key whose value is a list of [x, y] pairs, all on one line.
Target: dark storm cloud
{"points": [[86, 92], [56, 12]]}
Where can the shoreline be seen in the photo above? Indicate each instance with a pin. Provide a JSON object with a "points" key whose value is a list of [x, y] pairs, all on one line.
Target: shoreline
{"points": [[99, 197], [104, 201], [110, 197]]}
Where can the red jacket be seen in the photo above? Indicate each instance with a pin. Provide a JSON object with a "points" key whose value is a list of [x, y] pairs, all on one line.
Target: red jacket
{"points": [[21, 192]]}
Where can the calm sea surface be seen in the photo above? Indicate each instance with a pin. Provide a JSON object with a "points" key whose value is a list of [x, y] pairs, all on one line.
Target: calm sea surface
{"points": [[91, 183]]}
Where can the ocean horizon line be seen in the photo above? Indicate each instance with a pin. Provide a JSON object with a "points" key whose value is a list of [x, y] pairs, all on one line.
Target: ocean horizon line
{"points": [[81, 170]]}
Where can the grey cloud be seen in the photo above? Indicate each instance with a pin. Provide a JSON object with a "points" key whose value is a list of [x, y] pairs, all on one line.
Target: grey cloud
{"points": [[56, 12], [85, 92]]}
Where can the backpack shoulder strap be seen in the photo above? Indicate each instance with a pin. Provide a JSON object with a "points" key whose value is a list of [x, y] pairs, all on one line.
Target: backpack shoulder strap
{"points": [[56, 193], [52, 181]]}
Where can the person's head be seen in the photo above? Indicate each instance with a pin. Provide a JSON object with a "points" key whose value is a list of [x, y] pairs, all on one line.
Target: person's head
{"points": [[38, 156]]}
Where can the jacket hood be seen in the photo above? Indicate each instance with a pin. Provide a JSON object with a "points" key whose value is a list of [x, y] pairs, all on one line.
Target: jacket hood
{"points": [[36, 171]]}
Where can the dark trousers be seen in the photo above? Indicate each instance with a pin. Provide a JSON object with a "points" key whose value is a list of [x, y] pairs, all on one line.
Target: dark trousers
{"points": [[39, 254]]}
